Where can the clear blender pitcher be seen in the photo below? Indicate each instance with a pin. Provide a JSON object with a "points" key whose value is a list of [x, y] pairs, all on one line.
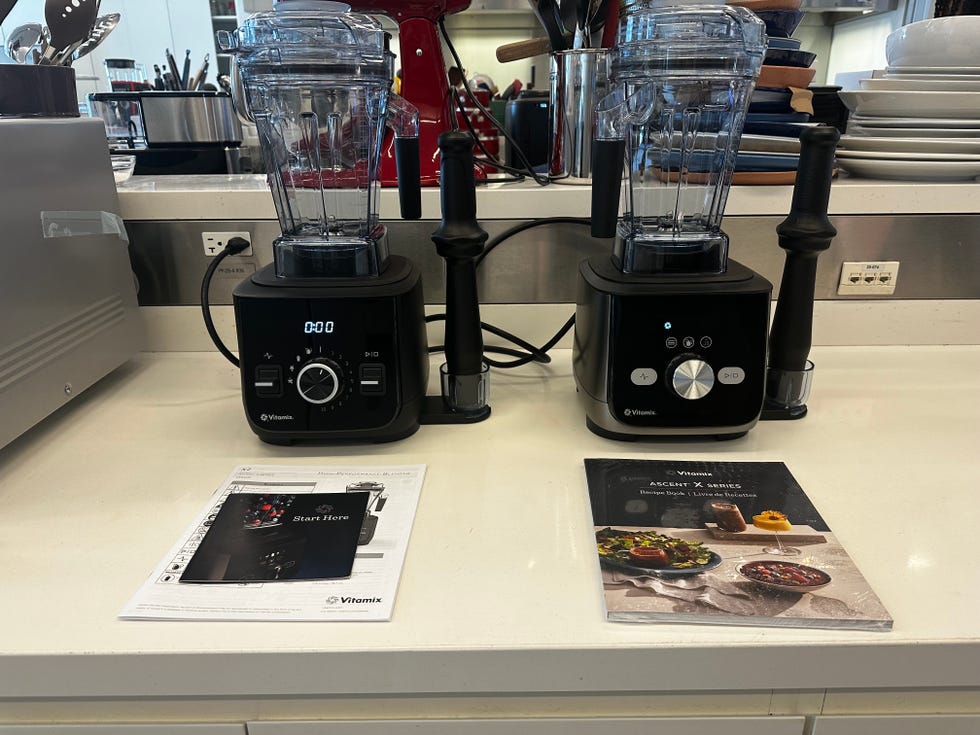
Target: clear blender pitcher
{"points": [[317, 80], [680, 80]]}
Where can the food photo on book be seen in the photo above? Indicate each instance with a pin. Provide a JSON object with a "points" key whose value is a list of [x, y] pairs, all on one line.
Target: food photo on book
{"points": [[731, 543]]}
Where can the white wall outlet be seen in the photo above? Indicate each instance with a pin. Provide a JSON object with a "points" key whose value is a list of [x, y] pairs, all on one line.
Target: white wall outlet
{"points": [[868, 278], [214, 242]]}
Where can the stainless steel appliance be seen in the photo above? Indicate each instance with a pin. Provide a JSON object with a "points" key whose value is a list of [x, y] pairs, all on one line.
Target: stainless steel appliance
{"points": [[172, 132], [670, 335], [68, 312]]}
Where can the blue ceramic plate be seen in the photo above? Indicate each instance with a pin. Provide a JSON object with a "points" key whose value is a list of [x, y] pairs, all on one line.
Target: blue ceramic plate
{"points": [[781, 23], [781, 117], [786, 57], [786, 44], [766, 162]]}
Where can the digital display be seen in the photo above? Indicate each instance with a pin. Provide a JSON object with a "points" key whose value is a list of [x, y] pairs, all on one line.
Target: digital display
{"points": [[318, 327]]}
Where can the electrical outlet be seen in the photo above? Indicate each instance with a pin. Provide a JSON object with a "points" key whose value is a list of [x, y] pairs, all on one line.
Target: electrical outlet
{"points": [[214, 242], [868, 278]]}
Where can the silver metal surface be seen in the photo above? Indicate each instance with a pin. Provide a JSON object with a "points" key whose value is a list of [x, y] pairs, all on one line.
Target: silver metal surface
{"points": [[68, 304], [693, 379], [175, 117], [579, 79], [940, 256]]}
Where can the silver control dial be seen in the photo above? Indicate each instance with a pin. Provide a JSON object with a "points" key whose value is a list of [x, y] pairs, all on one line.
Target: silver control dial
{"points": [[319, 382], [692, 378]]}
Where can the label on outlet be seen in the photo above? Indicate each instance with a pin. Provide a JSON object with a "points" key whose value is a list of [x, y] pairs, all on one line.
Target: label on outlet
{"points": [[868, 278], [214, 242]]}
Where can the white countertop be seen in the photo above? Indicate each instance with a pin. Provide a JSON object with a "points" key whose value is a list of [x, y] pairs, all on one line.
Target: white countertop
{"points": [[247, 197], [500, 590]]}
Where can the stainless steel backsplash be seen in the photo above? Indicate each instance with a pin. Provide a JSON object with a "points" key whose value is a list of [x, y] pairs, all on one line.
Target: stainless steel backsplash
{"points": [[939, 256]]}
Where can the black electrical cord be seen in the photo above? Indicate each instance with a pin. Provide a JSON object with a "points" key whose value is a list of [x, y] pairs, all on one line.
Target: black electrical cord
{"points": [[538, 178], [531, 353], [510, 232], [235, 245]]}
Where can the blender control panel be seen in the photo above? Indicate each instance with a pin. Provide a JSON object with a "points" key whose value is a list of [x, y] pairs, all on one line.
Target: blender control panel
{"points": [[688, 360], [319, 364]]}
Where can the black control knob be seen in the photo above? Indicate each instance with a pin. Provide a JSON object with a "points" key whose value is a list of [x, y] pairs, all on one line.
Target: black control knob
{"points": [[319, 382], [690, 377]]}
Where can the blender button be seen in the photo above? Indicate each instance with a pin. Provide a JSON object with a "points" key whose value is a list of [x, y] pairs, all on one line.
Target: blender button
{"points": [[371, 379], [731, 375], [671, 343], [688, 342], [643, 376], [268, 381], [706, 342]]}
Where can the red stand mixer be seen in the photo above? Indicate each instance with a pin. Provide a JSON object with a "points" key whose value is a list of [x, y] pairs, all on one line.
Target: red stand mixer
{"points": [[424, 80]]}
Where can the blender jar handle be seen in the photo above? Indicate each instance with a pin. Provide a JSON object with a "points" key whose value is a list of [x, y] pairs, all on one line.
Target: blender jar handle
{"points": [[607, 174], [608, 157], [403, 119]]}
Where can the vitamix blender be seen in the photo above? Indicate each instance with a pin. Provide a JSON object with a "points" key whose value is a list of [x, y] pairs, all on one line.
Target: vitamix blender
{"points": [[331, 336], [670, 335]]}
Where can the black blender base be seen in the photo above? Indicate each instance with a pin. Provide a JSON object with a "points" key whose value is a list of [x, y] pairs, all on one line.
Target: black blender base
{"points": [[615, 435], [313, 439]]}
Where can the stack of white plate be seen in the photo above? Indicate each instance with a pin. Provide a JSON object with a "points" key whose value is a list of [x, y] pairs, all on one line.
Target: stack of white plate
{"points": [[920, 120]]}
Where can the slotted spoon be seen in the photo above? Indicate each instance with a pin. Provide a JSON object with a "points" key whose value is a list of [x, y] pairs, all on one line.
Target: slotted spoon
{"points": [[70, 22]]}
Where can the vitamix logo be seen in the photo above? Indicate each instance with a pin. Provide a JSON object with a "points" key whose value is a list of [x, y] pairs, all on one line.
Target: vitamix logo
{"points": [[275, 417], [638, 412], [333, 600]]}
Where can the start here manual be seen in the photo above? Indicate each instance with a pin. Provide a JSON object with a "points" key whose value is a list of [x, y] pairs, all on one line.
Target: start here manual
{"points": [[281, 543]]}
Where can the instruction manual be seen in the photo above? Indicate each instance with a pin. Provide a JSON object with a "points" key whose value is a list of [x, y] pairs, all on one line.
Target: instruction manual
{"points": [[273, 543]]}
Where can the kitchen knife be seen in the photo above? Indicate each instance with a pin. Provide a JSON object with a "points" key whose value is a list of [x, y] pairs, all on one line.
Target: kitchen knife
{"points": [[174, 72], [185, 76], [158, 79]]}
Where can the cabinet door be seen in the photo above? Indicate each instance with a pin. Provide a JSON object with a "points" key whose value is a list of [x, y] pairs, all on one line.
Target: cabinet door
{"points": [[553, 726], [898, 725]]}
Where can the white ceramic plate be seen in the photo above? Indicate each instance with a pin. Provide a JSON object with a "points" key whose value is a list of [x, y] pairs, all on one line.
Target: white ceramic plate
{"points": [[955, 146], [855, 129], [917, 84], [913, 104], [946, 70], [845, 155], [873, 121], [912, 170]]}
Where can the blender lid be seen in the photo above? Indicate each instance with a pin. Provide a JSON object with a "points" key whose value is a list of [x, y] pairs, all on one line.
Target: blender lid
{"points": [[675, 36], [311, 33]]}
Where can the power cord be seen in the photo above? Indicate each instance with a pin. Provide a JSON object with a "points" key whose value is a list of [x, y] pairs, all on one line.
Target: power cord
{"points": [[531, 353], [530, 172], [234, 246]]}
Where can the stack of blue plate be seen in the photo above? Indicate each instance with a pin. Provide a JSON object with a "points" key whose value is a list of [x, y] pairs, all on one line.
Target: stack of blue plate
{"points": [[770, 141]]}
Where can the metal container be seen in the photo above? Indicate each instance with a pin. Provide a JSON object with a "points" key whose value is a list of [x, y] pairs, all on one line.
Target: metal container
{"points": [[579, 80], [169, 118]]}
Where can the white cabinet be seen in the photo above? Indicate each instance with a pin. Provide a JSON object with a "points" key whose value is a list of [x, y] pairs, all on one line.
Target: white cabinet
{"points": [[553, 726], [897, 725]]}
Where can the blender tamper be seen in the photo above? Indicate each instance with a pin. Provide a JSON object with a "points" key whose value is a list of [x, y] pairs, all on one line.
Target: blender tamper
{"points": [[804, 234], [459, 241]]}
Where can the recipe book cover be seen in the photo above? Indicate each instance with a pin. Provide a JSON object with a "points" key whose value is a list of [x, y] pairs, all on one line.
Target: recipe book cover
{"points": [[267, 537], [730, 543]]}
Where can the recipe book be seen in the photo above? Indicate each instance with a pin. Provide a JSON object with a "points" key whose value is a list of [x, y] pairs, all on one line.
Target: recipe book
{"points": [[729, 543]]}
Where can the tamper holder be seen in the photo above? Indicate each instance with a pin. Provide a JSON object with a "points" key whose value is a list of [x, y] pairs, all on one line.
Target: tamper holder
{"points": [[804, 234]]}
